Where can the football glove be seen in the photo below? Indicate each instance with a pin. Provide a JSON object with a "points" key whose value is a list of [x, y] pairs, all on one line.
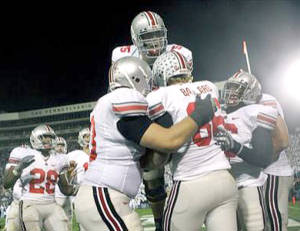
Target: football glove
{"points": [[204, 110], [227, 143], [26, 179], [24, 163]]}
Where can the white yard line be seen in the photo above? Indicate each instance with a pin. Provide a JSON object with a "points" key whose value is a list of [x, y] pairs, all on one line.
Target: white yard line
{"points": [[293, 223]]}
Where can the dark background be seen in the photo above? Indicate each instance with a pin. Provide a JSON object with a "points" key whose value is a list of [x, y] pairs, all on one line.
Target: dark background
{"points": [[55, 55]]}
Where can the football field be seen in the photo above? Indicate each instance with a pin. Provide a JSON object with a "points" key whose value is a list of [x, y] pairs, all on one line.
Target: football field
{"points": [[147, 219]]}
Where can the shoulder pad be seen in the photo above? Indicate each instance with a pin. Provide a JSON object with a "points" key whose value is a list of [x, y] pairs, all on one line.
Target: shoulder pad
{"points": [[122, 51], [129, 102]]}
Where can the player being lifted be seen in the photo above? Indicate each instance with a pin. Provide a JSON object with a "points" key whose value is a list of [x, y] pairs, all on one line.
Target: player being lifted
{"points": [[247, 137], [149, 37], [203, 189], [37, 205], [120, 132]]}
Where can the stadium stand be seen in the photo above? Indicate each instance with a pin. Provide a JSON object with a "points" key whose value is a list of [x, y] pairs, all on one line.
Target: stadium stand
{"points": [[15, 129]]}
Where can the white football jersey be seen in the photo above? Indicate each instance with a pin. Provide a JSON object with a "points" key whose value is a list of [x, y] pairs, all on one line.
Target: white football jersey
{"points": [[45, 170], [17, 190], [241, 123], [58, 193], [281, 167], [201, 154], [114, 160], [131, 50]]}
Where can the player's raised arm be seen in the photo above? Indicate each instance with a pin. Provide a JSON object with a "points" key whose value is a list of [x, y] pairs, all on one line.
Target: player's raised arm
{"points": [[15, 167]]}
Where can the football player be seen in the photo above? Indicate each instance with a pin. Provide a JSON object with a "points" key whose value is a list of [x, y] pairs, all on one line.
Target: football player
{"points": [[61, 199], [280, 175], [61, 146], [247, 138], [12, 212], [149, 37], [81, 158], [37, 204], [120, 132], [199, 165]]}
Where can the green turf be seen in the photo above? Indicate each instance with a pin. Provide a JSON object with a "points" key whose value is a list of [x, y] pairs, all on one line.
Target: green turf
{"points": [[142, 212], [294, 211]]}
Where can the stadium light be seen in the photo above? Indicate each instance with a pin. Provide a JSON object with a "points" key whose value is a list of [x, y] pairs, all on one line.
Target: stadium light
{"points": [[291, 80]]}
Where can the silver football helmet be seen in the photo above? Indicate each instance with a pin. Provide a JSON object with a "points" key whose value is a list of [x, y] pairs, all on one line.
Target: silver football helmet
{"points": [[39, 140], [149, 35], [131, 72], [169, 65], [84, 137], [61, 145], [242, 87]]}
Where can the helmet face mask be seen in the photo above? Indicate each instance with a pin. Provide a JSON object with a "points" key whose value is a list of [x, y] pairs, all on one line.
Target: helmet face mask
{"points": [[242, 87], [233, 94], [149, 35], [61, 145], [131, 72], [152, 44], [84, 137], [43, 138]]}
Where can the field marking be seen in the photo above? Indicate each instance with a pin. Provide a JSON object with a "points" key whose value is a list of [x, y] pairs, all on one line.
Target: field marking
{"points": [[293, 223]]}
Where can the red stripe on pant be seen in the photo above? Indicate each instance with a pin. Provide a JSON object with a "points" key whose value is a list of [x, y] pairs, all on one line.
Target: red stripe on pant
{"points": [[107, 211]]}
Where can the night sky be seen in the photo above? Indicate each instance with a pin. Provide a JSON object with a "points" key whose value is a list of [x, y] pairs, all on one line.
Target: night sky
{"points": [[53, 56]]}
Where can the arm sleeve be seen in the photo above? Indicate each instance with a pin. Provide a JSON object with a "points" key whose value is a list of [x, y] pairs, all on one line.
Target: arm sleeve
{"points": [[261, 154], [165, 120], [134, 127]]}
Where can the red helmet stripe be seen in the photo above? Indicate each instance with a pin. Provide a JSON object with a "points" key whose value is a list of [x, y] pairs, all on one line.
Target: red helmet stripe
{"points": [[47, 126], [236, 74], [151, 17], [180, 58]]}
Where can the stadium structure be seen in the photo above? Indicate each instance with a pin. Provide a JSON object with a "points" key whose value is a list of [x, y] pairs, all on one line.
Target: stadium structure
{"points": [[16, 127]]}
